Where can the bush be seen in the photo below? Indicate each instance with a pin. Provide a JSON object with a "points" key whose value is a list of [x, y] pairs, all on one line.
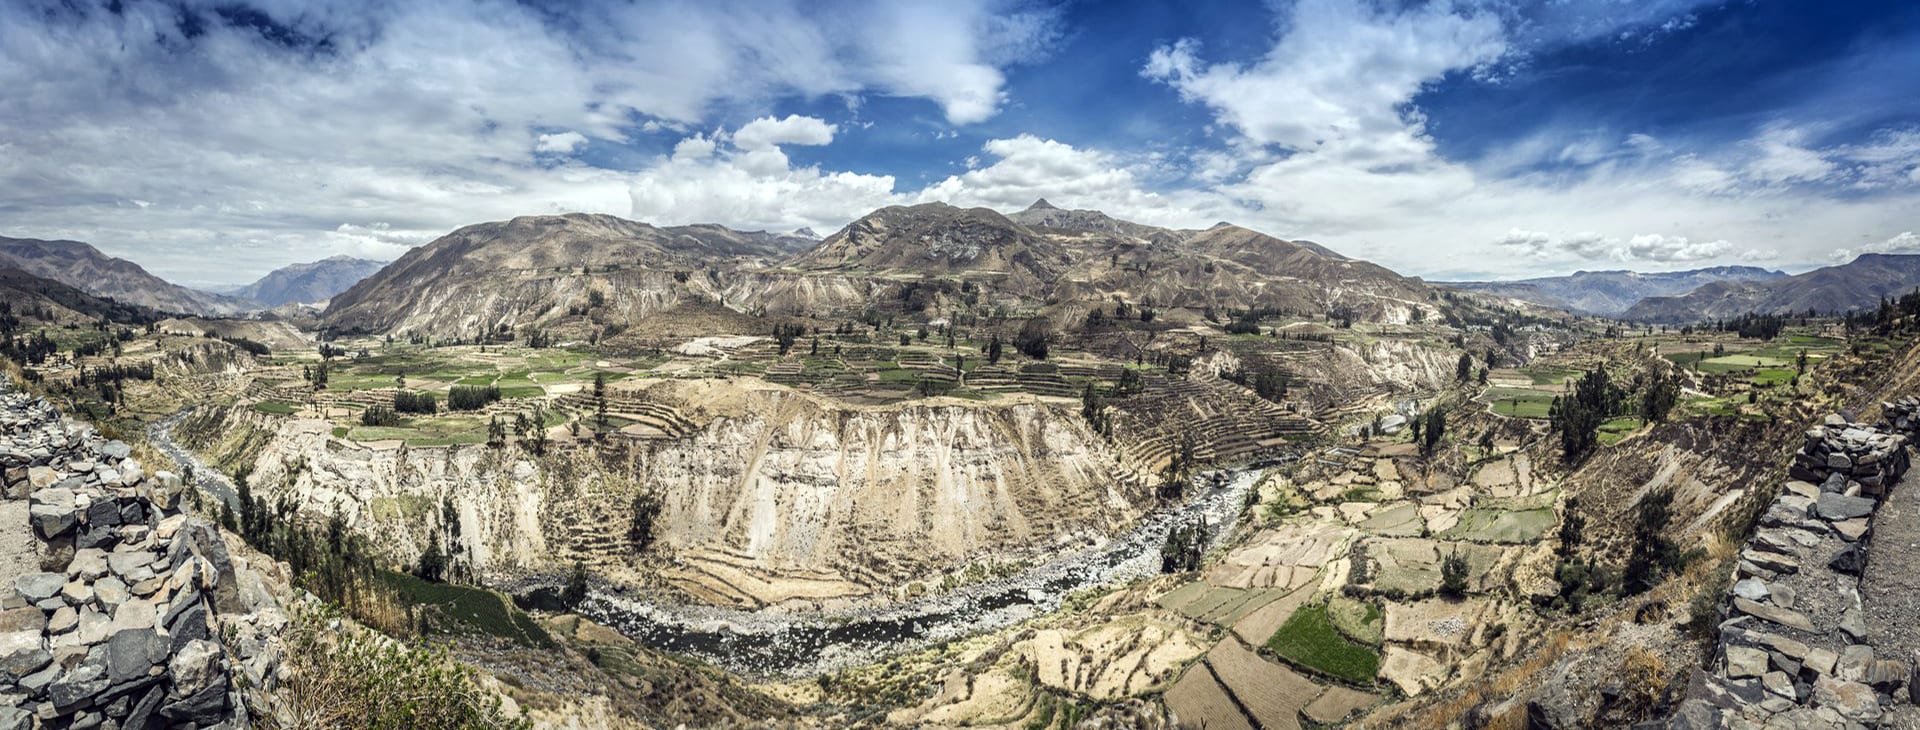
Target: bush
{"points": [[379, 416], [472, 397], [1033, 338], [352, 678], [408, 401], [1453, 575]]}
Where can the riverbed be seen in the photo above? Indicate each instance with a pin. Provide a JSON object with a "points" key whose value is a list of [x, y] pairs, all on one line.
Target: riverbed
{"points": [[767, 643]]}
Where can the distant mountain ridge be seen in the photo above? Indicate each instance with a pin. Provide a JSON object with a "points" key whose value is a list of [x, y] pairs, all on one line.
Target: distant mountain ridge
{"points": [[589, 273], [1611, 293], [1858, 284], [86, 268], [56, 302], [309, 283]]}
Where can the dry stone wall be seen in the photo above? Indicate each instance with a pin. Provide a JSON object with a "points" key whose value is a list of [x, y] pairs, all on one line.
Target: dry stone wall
{"points": [[1793, 650], [117, 620]]}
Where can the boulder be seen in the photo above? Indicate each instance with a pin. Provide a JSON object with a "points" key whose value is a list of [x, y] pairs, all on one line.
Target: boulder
{"points": [[1745, 661], [36, 587], [22, 653], [1854, 701], [53, 512], [1835, 507]]}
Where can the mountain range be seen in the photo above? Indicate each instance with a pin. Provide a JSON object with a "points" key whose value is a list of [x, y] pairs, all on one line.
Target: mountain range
{"points": [[578, 268], [1610, 293], [308, 283], [90, 270], [1856, 285], [596, 270]]}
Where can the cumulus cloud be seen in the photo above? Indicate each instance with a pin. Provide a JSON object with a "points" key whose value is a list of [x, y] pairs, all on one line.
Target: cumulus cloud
{"points": [[254, 133], [794, 129], [559, 144], [1904, 243], [1646, 248]]}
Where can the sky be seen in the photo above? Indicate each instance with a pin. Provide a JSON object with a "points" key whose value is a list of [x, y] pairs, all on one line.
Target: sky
{"points": [[1471, 139]]}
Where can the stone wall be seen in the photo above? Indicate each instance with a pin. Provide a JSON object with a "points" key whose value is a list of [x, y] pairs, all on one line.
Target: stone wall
{"points": [[1903, 416], [1792, 651], [1851, 452], [122, 625]]}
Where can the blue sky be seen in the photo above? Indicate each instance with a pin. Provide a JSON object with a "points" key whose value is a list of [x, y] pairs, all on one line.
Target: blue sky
{"points": [[1468, 139]]}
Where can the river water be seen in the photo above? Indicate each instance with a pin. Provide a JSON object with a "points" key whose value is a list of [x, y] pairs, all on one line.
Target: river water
{"points": [[770, 643], [778, 643]]}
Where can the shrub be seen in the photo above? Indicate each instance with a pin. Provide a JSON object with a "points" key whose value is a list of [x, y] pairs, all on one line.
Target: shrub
{"points": [[352, 678], [408, 401], [472, 397], [1453, 575], [379, 416]]}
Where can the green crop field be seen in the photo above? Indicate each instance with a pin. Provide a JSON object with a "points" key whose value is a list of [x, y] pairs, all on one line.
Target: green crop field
{"points": [[1309, 639]]}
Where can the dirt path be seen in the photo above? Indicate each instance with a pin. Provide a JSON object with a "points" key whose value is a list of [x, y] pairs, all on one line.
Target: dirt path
{"points": [[1890, 585]]}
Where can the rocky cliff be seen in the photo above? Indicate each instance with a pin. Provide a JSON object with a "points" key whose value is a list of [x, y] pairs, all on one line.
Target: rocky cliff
{"points": [[772, 495]]}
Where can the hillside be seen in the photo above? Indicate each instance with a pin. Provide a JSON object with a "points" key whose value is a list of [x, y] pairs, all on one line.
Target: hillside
{"points": [[940, 239], [1858, 284], [524, 270], [1609, 293], [53, 302], [82, 266], [310, 282]]}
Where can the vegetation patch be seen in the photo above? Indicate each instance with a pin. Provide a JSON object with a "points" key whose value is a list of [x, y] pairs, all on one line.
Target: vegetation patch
{"points": [[454, 609], [275, 407], [1503, 526], [1309, 639]]}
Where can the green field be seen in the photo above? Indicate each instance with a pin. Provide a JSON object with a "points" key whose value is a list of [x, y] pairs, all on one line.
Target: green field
{"points": [[1616, 429], [275, 407], [1357, 620], [463, 610], [1309, 639], [1519, 402]]}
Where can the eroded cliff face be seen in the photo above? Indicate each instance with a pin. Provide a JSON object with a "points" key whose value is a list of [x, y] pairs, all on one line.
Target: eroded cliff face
{"points": [[774, 495]]}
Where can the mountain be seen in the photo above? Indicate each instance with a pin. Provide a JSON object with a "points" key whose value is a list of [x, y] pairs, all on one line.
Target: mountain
{"points": [[1609, 293], [1044, 215], [532, 268], [939, 239], [1858, 284], [311, 282], [86, 268], [39, 298]]}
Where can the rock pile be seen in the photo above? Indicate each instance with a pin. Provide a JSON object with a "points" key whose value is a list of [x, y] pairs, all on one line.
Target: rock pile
{"points": [[1851, 452], [1903, 416], [120, 630], [1793, 652]]}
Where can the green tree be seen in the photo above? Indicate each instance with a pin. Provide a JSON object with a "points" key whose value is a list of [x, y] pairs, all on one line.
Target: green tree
{"points": [[1463, 369], [1453, 575], [1653, 553], [576, 591], [433, 562], [646, 510]]}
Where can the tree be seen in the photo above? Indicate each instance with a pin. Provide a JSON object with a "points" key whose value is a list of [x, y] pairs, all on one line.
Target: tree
{"points": [[1653, 553], [1186, 545], [576, 591], [1436, 429], [1179, 468], [1661, 394], [1453, 575], [993, 350], [1463, 369], [646, 509], [433, 562], [1578, 415], [1094, 409], [600, 399], [1033, 337]]}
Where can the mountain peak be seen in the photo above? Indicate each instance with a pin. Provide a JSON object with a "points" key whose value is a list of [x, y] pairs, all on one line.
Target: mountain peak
{"points": [[1041, 204], [805, 232]]}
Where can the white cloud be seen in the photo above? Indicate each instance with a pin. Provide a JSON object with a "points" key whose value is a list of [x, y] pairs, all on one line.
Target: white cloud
{"points": [[559, 144], [1339, 75], [428, 116], [794, 129], [1783, 158]]}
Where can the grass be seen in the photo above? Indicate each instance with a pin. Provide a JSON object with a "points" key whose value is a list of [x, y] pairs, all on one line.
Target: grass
{"points": [[275, 407], [1480, 524], [1361, 621], [461, 609], [1535, 405], [1309, 639], [1616, 429]]}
